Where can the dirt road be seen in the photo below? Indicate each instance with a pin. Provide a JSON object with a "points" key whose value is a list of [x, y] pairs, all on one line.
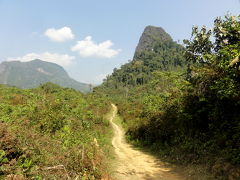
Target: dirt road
{"points": [[133, 164]]}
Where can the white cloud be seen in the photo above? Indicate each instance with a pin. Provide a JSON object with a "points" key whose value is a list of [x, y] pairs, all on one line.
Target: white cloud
{"points": [[61, 59], [59, 35], [88, 48]]}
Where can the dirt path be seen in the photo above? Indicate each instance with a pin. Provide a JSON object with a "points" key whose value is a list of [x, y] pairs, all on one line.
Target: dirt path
{"points": [[133, 164]]}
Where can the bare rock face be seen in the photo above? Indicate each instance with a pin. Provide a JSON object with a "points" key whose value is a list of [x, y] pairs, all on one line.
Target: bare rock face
{"points": [[149, 37]]}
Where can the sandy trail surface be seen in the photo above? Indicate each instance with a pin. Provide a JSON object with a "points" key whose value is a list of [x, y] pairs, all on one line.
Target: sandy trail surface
{"points": [[132, 164]]}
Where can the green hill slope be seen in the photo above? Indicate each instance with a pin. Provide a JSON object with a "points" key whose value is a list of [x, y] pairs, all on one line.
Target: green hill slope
{"points": [[156, 51], [32, 74]]}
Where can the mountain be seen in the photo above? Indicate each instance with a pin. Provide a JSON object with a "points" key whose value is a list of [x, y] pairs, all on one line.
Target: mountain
{"points": [[150, 37], [32, 74], [156, 51]]}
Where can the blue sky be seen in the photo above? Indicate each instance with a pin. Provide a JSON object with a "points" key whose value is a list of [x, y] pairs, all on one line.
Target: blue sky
{"points": [[91, 37]]}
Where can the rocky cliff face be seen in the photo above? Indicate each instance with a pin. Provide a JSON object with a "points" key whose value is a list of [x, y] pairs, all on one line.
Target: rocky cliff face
{"points": [[150, 36], [32, 74]]}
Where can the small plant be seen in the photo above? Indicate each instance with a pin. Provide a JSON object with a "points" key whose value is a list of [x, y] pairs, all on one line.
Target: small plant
{"points": [[26, 164], [3, 158]]}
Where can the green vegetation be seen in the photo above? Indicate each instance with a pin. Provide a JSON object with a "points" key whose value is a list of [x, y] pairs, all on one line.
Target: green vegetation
{"points": [[52, 132], [181, 102], [34, 73], [160, 53], [187, 113]]}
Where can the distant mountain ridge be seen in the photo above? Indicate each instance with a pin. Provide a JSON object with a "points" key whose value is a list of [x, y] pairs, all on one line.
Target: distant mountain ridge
{"points": [[33, 73]]}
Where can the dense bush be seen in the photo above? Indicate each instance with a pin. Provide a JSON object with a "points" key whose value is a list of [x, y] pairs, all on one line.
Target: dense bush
{"points": [[51, 132]]}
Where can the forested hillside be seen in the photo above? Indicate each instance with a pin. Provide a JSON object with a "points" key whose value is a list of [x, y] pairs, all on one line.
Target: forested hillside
{"points": [[184, 103], [36, 72], [52, 133], [156, 51]]}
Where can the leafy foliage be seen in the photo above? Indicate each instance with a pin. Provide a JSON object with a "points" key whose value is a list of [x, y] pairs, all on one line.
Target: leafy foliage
{"points": [[51, 132]]}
